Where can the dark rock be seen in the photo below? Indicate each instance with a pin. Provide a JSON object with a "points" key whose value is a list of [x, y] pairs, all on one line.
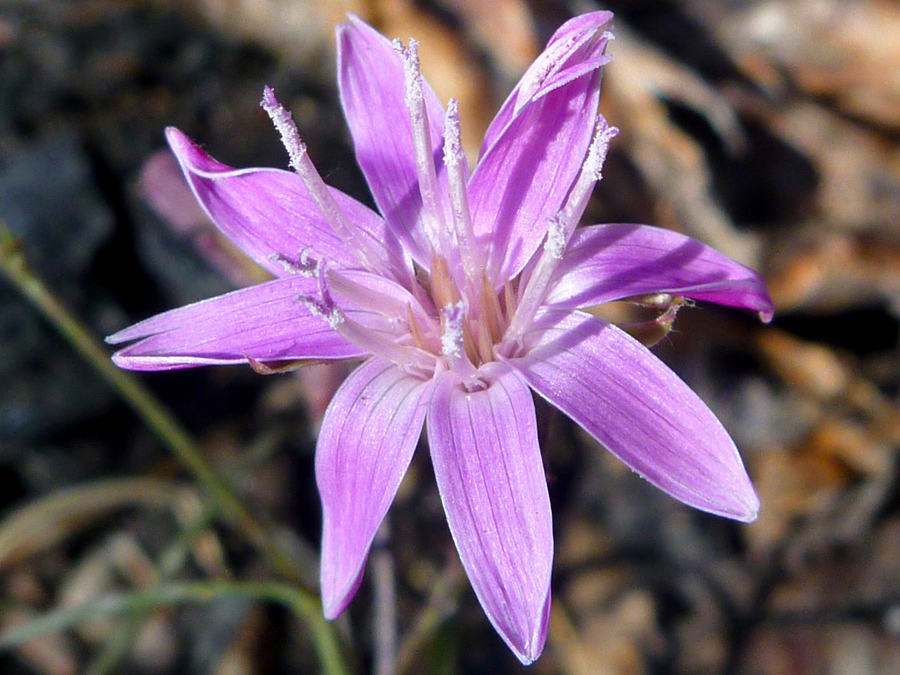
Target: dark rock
{"points": [[48, 199]]}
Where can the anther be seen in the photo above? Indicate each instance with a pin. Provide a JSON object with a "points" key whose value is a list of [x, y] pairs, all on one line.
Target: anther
{"points": [[284, 124], [432, 210], [492, 313], [303, 264], [303, 166], [541, 277], [453, 341], [591, 172], [455, 161], [443, 288], [414, 329]]}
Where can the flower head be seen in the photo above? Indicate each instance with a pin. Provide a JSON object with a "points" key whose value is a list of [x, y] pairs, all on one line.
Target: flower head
{"points": [[463, 297]]}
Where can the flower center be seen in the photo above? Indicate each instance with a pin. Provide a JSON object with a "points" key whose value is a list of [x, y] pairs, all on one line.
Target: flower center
{"points": [[472, 320]]}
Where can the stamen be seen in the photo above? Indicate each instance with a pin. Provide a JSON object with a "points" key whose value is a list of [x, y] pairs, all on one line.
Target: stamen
{"points": [[433, 214], [509, 297], [469, 342], [414, 328], [366, 338], [492, 313], [453, 341], [591, 173], [560, 230], [485, 343], [303, 264], [539, 282], [455, 161], [318, 190], [443, 289]]}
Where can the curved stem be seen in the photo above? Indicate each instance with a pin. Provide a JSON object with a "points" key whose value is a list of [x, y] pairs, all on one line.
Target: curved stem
{"points": [[160, 420], [290, 596]]}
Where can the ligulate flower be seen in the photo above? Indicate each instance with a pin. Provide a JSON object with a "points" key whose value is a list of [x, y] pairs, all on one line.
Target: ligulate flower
{"points": [[464, 296]]}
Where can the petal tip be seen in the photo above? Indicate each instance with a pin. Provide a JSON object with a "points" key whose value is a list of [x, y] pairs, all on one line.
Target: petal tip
{"points": [[331, 608], [177, 138], [530, 650], [184, 149], [192, 158], [751, 509], [336, 597], [741, 504]]}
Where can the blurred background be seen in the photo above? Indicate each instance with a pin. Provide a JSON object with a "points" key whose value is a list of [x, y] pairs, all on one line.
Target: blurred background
{"points": [[768, 129]]}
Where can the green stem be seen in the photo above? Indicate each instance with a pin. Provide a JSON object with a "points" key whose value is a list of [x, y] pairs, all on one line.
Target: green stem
{"points": [[147, 406], [157, 417], [108, 659], [441, 604], [185, 593]]}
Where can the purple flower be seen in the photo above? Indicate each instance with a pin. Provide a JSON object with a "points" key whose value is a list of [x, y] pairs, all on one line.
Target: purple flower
{"points": [[466, 296]]}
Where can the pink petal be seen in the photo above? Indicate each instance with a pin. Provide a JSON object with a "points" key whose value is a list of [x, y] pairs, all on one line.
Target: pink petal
{"points": [[268, 212], [373, 94], [536, 149], [368, 436], [560, 58], [263, 323], [490, 475], [610, 262], [640, 410], [163, 186]]}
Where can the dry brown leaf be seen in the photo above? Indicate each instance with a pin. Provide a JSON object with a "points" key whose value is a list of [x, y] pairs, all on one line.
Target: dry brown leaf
{"points": [[610, 642], [854, 444], [670, 160], [843, 647], [813, 368], [857, 170], [44, 523], [829, 271], [448, 65], [792, 485], [302, 33], [844, 49], [503, 28], [52, 654]]}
